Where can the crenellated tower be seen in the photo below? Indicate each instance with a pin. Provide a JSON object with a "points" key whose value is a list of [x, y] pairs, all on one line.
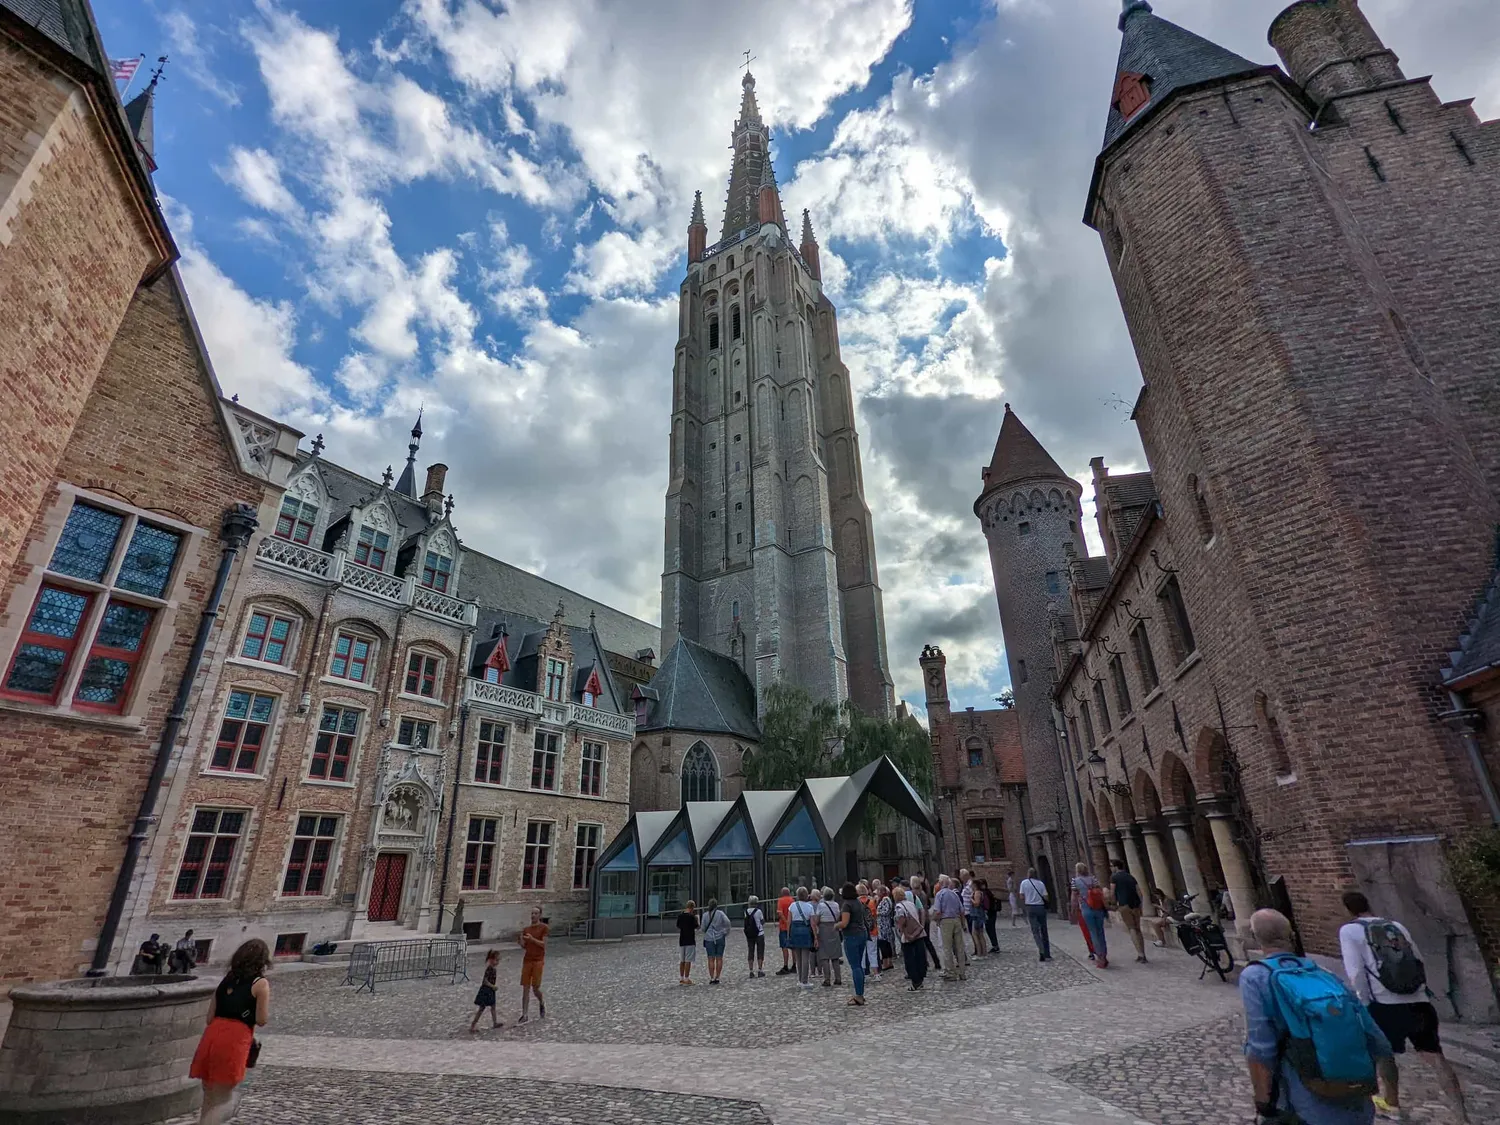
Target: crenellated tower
{"points": [[770, 554]]}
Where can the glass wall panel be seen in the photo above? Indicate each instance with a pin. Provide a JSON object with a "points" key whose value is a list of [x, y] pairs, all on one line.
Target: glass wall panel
{"points": [[617, 891]]}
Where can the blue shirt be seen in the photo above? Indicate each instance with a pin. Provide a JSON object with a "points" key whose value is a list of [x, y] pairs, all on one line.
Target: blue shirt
{"points": [[948, 904], [1264, 1032]]}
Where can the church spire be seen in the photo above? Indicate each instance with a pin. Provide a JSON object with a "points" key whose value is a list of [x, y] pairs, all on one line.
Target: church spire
{"points": [[697, 230], [407, 485], [809, 248], [769, 204], [752, 152]]}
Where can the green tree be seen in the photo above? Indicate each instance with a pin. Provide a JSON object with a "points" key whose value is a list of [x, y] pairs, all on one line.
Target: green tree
{"points": [[1006, 698], [906, 744]]}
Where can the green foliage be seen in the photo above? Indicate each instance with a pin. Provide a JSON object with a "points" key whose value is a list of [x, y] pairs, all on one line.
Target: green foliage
{"points": [[1006, 698], [802, 737], [1474, 862]]}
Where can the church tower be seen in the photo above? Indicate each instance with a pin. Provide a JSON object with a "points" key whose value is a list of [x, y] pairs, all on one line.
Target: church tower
{"points": [[1031, 515], [770, 555]]}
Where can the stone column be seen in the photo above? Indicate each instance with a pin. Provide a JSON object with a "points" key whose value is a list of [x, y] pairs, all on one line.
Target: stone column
{"points": [[1133, 859], [1112, 846], [1098, 856], [1180, 822], [1161, 866], [1232, 860]]}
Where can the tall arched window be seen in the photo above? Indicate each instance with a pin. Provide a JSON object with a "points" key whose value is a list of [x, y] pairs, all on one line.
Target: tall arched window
{"points": [[734, 322], [700, 775], [713, 333]]}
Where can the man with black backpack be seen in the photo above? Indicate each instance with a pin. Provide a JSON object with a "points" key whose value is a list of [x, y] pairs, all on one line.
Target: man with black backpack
{"points": [[1385, 969], [1312, 1048]]}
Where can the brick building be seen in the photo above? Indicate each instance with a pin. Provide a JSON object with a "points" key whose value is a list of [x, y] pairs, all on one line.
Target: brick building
{"points": [[123, 463], [396, 725], [980, 770], [1255, 678]]}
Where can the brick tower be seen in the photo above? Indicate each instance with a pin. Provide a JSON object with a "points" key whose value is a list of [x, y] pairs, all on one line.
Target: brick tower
{"points": [[1308, 264], [1031, 515], [770, 556]]}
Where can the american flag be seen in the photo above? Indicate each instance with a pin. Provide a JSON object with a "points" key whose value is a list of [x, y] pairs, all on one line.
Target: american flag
{"points": [[123, 70]]}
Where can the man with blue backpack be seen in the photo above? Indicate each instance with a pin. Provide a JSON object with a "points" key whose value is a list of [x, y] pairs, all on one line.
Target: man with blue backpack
{"points": [[1385, 969], [1312, 1048]]}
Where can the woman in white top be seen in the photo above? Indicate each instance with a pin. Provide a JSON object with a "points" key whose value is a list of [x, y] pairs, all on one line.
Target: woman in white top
{"points": [[911, 932], [802, 935], [830, 963]]}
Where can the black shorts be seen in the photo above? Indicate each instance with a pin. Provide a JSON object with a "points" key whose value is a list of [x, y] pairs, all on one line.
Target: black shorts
{"points": [[757, 945], [1400, 1022]]}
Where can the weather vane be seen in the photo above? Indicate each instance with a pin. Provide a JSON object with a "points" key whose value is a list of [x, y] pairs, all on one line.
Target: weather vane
{"points": [[749, 58]]}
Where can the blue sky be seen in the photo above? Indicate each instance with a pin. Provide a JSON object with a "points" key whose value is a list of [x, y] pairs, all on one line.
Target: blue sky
{"points": [[479, 206]]}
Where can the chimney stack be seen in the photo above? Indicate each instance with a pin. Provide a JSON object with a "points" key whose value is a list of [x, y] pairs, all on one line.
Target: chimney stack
{"points": [[432, 495]]}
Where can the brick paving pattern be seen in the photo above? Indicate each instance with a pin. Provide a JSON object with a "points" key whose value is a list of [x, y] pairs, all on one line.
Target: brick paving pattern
{"points": [[284, 1096]]}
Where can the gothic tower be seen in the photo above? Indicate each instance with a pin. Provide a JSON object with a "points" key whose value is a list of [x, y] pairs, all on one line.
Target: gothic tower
{"points": [[1031, 515], [770, 555]]}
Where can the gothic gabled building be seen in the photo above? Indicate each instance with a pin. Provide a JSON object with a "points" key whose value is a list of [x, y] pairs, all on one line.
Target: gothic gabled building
{"points": [[770, 556]]}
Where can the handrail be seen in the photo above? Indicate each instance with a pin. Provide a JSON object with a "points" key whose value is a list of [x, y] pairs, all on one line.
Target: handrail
{"points": [[657, 922]]}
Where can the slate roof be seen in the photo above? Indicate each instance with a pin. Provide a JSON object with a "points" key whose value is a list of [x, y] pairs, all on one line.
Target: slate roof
{"points": [[1095, 573], [1019, 456], [142, 118], [523, 637], [697, 689], [1172, 58], [1478, 651], [68, 23]]}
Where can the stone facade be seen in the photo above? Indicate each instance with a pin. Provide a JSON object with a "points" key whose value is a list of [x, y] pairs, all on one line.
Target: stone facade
{"points": [[979, 766], [1306, 263], [770, 554]]}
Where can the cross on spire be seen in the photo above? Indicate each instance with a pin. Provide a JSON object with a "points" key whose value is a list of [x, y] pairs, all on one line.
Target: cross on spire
{"points": [[749, 58]]}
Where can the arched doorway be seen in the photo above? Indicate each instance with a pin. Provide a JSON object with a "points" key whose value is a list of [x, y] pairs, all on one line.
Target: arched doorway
{"points": [[700, 774]]}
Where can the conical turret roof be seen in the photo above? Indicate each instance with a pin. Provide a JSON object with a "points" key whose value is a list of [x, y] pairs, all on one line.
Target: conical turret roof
{"points": [[1019, 456], [1167, 58]]}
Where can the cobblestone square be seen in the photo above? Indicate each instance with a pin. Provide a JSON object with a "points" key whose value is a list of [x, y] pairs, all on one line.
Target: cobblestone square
{"points": [[1059, 1043]]}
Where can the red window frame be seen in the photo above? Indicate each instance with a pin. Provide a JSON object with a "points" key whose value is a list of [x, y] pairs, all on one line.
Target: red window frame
{"points": [[585, 855], [233, 742], [293, 525], [591, 772], [131, 658], [489, 754], [538, 849], [544, 761], [556, 679], [371, 552], [264, 636], [66, 645], [422, 675], [208, 855], [307, 863], [333, 750], [351, 662], [434, 575], [479, 854]]}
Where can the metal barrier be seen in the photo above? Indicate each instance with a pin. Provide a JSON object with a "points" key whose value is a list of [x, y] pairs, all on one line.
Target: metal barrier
{"points": [[371, 962], [660, 922]]}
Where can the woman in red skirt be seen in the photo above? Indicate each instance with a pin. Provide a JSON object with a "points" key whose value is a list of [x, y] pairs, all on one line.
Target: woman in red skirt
{"points": [[241, 1004]]}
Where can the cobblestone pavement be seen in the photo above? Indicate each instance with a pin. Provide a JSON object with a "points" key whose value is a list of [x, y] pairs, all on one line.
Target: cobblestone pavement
{"points": [[1059, 1044], [285, 1096], [628, 993]]}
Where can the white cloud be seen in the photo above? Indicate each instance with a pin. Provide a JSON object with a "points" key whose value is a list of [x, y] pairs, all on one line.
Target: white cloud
{"points": [[618, 263], [194, 59], [257, 177]]}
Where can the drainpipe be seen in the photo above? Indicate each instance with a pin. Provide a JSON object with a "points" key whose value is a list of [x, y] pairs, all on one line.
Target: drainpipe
{"points": [[458, 773], [239, 524], [1466, 721]]}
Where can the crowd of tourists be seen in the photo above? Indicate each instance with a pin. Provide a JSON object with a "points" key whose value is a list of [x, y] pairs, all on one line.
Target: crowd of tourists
{"points": [[864, 928]]}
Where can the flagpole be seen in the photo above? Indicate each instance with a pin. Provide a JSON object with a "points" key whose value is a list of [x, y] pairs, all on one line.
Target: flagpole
{"points": [[126, 88]]}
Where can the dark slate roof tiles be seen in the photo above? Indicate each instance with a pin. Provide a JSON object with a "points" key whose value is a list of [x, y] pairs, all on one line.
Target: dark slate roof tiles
{"points": [[700, 690]]}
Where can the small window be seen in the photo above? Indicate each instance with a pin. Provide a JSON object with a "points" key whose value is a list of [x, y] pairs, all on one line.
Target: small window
{"points": [[1021, 671], [423, 675], [1145, 660], [267, 637], [713, 333], [976, 753], [585, 855], [736, 466], [416, 733], [211, 847], [334, 748], [557, 677], [734, 609], [436, 570], [713, 445], [713, 515], [736, 397], [739, 537], [734, 322], [538, 852], [289, 946], [1122, 688], [739, 507], [351, 657], [1101, 706], [736, 437], [1024, 528], [479, 854], [307, 863], [1053, 585], [242, 734], [296, 521], [730, 266], [544, 761], [986, 840], [489, 755], [591, 774], [371, 549], [1179, 629]]}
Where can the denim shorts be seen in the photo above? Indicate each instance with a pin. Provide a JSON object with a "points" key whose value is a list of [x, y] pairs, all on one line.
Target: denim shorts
{"points": [[713, 948]]}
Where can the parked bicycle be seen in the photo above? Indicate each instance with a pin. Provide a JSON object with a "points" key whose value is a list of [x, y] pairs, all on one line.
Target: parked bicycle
{"points": [[1202, 936]]}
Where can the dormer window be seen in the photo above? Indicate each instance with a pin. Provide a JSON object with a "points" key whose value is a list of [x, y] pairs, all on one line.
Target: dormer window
{"points": [[295, 523], [641, 708], [371, 548], [557, 675], [592, 690], [497, 663], [436, 570], [1132, 93]]}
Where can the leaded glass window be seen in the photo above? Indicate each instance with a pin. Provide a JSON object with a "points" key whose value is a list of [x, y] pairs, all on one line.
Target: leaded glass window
{"points": [[700, 775]]}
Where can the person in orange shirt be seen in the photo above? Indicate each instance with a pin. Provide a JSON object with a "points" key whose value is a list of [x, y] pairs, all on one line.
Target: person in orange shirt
{"points": [[783, 921], [534, 941]]}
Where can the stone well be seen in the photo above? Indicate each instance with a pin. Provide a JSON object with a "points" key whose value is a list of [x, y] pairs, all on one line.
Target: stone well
{"points": [[102, 1050]]}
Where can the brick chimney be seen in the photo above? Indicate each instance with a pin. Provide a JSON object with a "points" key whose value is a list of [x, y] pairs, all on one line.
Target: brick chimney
{"points": [[432, 495]]}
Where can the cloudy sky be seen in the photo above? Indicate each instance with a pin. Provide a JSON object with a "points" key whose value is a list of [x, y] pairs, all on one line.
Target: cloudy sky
{"points": [[480, 206]]}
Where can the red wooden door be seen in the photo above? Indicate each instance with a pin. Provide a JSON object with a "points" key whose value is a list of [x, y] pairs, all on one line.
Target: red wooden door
{"points": [[385, 892]]}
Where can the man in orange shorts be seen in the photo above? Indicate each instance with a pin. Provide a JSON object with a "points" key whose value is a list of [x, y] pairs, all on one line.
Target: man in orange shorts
{"points": [[534, 942]]}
